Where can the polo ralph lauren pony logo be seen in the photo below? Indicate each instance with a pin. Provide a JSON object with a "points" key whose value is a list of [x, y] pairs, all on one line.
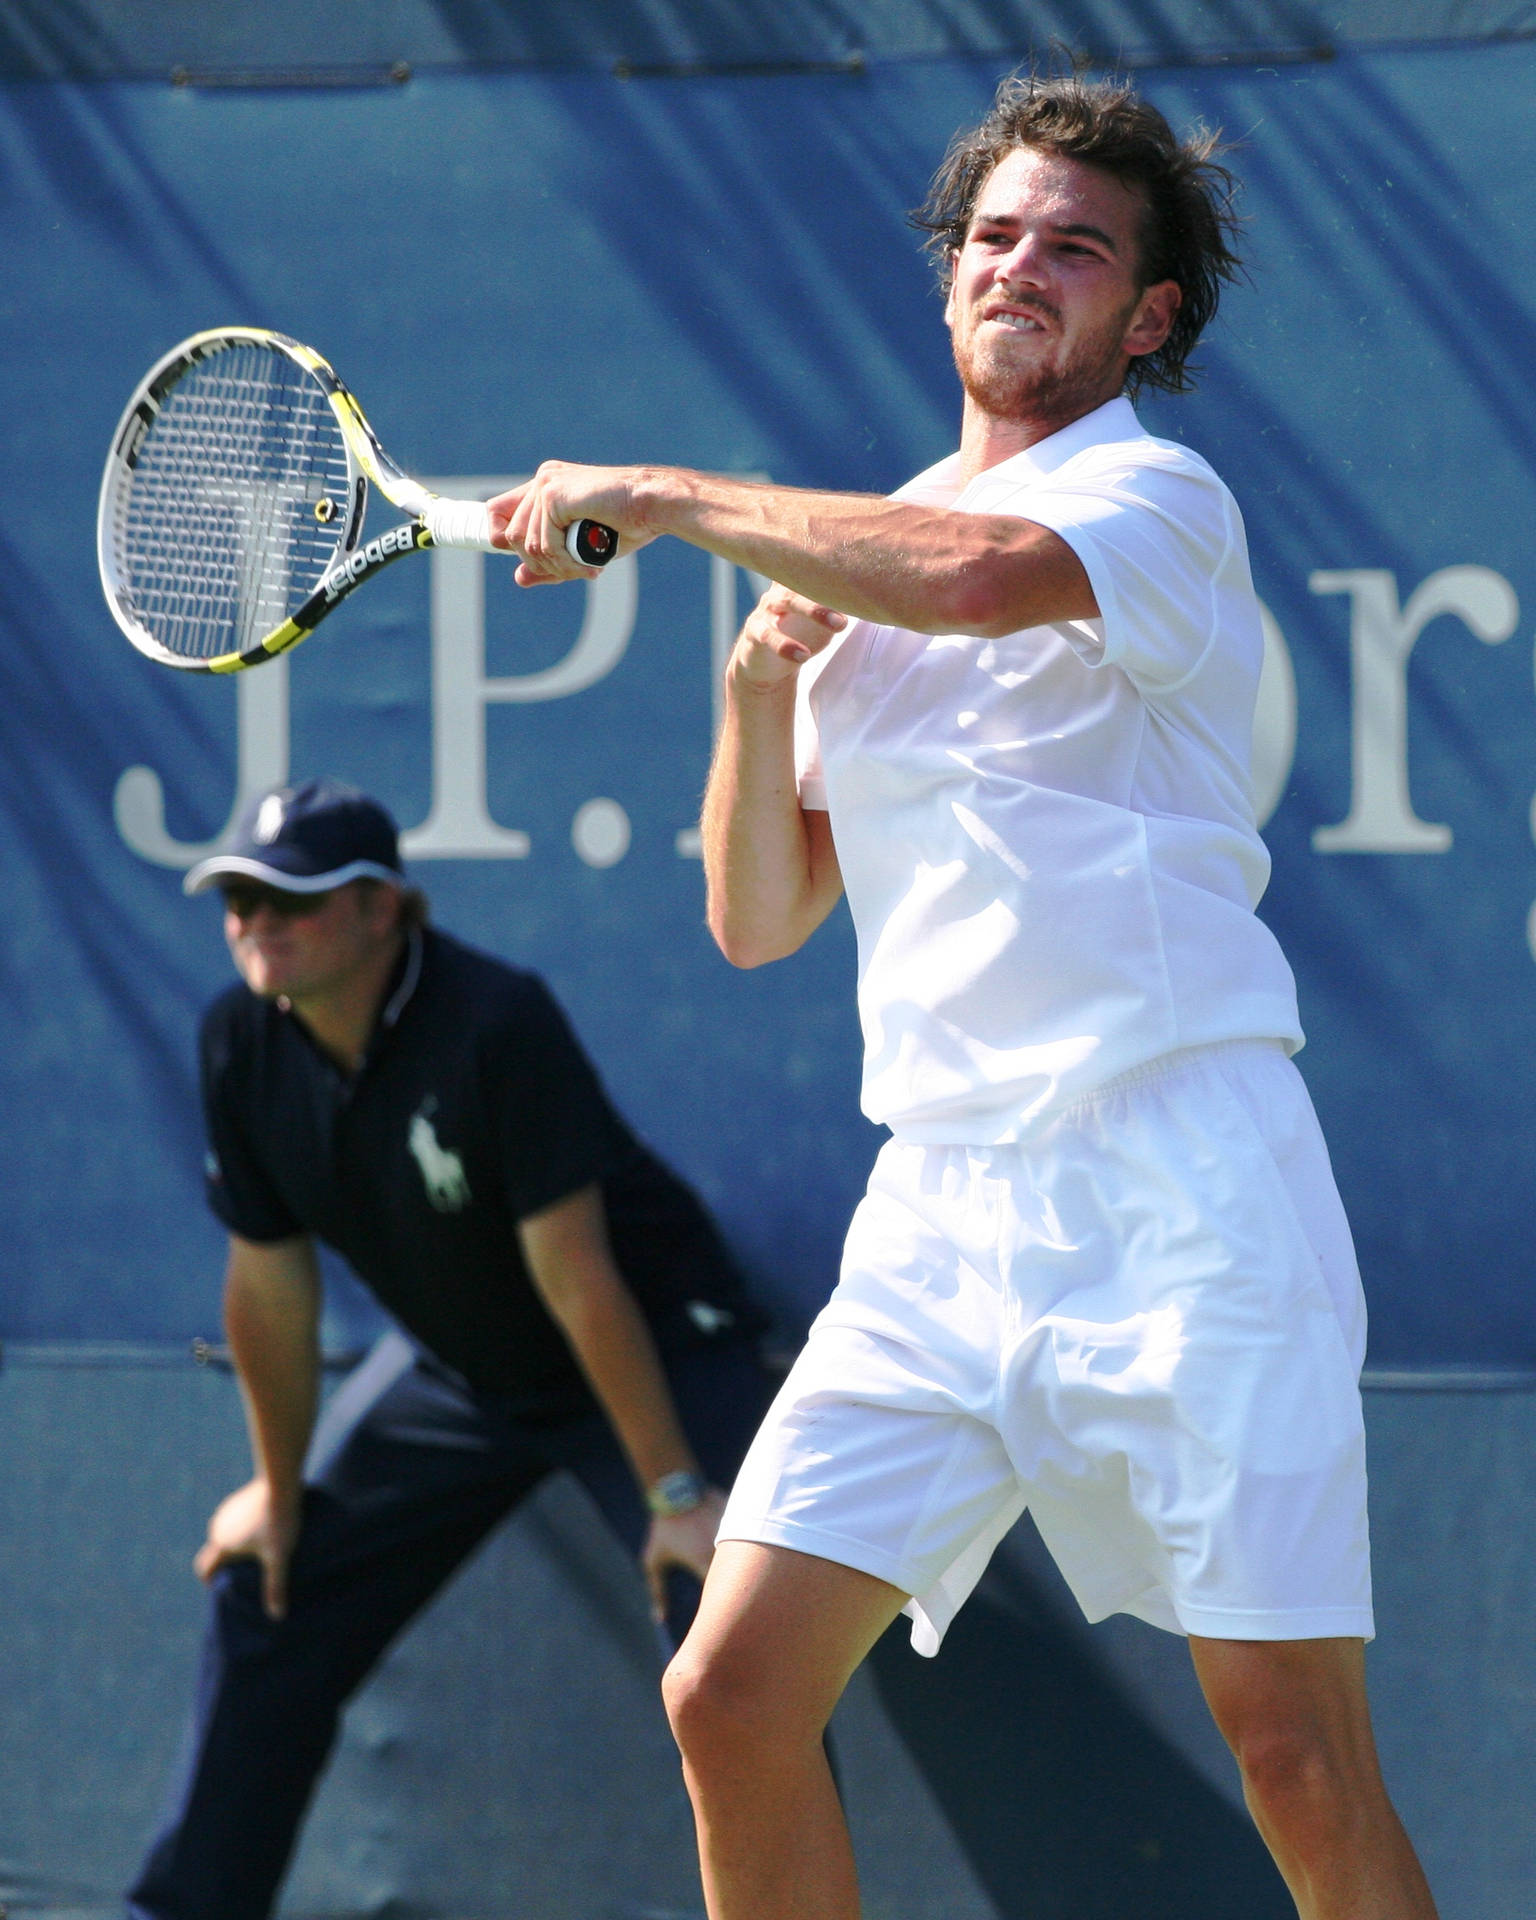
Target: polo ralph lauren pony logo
{"points": [[442, 1171]]}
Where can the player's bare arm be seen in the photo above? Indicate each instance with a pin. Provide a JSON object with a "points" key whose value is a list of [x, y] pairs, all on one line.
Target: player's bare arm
{"points": [[568, 1254], [770, 866], [927, 569], [272, 1317]]}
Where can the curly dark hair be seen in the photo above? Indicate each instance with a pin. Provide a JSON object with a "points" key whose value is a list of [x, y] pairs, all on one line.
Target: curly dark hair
{"points": [[1189, 227]]}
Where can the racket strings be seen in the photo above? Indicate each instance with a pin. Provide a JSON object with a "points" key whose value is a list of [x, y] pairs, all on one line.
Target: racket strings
{"points": [[218, 537]]}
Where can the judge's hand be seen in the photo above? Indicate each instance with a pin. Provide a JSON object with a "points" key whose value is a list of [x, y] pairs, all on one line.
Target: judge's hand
{"points": [[681, 1540], [251, 1525]]}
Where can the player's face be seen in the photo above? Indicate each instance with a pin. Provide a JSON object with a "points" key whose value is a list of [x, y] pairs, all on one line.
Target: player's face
{"points": [[302, 947], [1045, 309]]}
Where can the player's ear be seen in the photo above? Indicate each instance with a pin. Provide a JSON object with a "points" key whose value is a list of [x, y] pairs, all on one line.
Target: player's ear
{"points": [[1153, 318]]}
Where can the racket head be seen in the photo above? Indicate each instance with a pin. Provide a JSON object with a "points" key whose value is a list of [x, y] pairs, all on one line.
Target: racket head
{"points": [[236, 481]]}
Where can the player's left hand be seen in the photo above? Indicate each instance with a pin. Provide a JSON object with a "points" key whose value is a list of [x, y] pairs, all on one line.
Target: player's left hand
{"points": [[532, 520], [682, 1540]]}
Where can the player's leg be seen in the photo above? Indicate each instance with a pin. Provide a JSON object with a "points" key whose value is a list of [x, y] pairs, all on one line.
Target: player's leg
{"points": [[405, 1481], [1225, 1369], [1294, 1713], [778, 1635], [870, 1480]]}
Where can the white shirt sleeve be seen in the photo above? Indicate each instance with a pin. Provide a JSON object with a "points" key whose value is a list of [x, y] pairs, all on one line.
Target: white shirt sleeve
{"points": [[810, 780], [1162, 544]]}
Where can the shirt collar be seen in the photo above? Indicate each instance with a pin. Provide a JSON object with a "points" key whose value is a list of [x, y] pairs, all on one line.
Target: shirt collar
{"points": [[941, 485], [403, 984], [406, 979], [407, 976]]}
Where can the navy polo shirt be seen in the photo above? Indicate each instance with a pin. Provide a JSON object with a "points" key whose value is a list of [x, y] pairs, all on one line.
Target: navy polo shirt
{"points": [[474, 1107]]}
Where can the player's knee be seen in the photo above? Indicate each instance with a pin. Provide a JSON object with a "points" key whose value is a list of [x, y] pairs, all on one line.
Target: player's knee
{"points": [[690, 1698], [1291, 1770], [713, 1705]]}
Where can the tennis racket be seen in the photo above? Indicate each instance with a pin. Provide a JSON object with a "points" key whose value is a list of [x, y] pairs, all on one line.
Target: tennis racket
{"points": [[231, 513]]}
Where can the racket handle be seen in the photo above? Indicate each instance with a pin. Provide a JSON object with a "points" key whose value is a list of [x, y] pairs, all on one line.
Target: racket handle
{"points": [[467, 523], [459, 523]]}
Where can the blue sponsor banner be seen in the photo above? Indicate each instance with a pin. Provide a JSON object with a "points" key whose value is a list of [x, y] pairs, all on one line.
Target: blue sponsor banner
{"points": [[717, 272]]}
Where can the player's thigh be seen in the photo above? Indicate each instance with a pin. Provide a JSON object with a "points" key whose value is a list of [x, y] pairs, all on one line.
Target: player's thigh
{"points": [[778, 1635]]}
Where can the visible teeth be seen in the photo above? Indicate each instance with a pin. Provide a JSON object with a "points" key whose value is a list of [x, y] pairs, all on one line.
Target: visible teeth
{"points": [[1021, 322]]}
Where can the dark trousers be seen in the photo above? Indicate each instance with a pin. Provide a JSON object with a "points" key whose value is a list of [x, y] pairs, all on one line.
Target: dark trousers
{"points": [[409, 1472]]}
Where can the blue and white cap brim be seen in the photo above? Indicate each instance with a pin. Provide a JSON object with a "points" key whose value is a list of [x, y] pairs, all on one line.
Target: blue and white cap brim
{"points": [[238, 865]]}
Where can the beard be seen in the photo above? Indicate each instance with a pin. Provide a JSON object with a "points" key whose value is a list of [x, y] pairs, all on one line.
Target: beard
{"points": [[1008, 386]]}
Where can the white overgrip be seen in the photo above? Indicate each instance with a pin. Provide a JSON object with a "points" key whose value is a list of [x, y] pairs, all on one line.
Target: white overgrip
{"points": [[459, 523]]}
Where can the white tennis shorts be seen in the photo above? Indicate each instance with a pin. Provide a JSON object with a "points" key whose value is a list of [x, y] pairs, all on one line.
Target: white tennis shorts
{"points": [[1145, 1325]]}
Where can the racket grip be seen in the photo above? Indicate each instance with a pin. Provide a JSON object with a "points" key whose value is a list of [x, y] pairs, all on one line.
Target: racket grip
{"points": [[467, 523], [459, 523]]}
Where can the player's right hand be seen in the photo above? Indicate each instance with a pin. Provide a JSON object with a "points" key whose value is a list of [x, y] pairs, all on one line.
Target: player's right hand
{"points": [[251, 1525], [783, 631]]}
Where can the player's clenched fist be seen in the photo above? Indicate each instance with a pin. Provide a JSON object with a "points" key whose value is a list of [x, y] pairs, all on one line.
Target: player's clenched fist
{"points": [[782, 632], [534, 519]]}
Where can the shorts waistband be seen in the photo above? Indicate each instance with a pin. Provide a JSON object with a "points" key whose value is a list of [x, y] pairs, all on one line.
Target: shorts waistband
{"points": [[971, 1130], [1168, 1066]]}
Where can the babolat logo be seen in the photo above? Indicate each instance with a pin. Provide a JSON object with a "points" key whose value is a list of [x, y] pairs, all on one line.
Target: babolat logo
{"points": [[384, 546]]}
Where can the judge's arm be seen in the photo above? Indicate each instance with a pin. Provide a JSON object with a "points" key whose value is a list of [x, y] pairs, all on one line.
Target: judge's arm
{"points": [[272, 1317], [568, 1254]]}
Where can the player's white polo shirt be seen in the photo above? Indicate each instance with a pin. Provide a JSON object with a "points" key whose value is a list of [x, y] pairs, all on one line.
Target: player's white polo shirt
{"points": [[1048, 840]]}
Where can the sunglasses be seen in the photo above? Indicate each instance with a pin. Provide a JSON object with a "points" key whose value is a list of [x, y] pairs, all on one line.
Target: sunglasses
{"points": [[243, 900]]}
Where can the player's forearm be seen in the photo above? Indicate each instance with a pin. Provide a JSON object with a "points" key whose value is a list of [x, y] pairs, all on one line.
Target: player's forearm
{"points": [[765, 892], [274, 1337], [887, 561]]}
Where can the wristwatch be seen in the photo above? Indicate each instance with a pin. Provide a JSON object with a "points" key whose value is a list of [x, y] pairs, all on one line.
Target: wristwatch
{"points": [[676, 1493]]}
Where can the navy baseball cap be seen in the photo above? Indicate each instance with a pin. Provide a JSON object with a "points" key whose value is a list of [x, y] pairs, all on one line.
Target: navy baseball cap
{"points": [[306, 839]]}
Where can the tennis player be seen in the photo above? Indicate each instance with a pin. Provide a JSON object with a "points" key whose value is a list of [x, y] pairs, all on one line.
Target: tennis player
{"points": [[1101, 1270]]}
